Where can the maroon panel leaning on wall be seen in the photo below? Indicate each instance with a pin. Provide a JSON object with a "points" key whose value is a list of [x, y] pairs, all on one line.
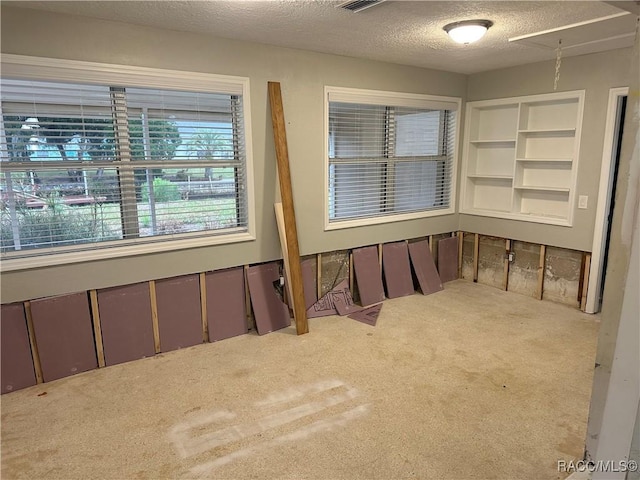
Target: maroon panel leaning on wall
{"points": [[226, 310], [368, 275], [448, 259], [270, 312], [125, 318], [425, 268], [397, 270], [64, 335], [16, 361], [179, 314]]}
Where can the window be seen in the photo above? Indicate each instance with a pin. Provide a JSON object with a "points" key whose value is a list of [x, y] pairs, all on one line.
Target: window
{"points": [[98, 164], [389, 156]]}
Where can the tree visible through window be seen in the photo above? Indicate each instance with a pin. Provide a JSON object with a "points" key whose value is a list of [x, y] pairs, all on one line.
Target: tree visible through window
{"points": [[85, 164]]}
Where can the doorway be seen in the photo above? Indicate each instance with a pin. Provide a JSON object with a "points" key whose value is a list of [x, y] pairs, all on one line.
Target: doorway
{"points": [[606, 196]]}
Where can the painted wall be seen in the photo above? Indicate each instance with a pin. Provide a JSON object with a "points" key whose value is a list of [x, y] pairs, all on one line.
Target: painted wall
{"points": [[303, 76], [596, 74]]}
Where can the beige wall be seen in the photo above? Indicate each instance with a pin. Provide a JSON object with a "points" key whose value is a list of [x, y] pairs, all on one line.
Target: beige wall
{"points": [[303, 76], [596, 74]]}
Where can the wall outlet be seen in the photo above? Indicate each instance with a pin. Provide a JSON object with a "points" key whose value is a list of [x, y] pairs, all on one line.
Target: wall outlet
{"points": [[582, 201]]}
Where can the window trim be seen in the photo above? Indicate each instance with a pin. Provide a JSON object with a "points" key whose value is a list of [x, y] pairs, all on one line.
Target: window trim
{"points": [[50, 69], [400, 99]]}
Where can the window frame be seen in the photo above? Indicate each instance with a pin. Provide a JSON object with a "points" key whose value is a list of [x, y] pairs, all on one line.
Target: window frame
{"points": [[394, 99], [61, 70]]}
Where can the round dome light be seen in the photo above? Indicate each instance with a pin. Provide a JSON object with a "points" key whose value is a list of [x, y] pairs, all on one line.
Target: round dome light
{"points": [[468, 31]]}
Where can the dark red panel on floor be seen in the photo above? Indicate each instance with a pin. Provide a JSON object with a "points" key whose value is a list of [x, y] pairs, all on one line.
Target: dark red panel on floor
{"points": [[226, 311], [16, 361], [179, 315], [397, 270], [269, 310], [368, 315], [368, 275], [64, 335], [309, 282], [448, 259], [338, 301], [125, 318], [425, 268]]}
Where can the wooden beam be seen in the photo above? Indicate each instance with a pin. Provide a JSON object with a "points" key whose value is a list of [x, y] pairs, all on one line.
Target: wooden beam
{"points": [[505, 278], [319, 275], [203, 307], [37, 366], [154, 315], [460, 245], [543, 252], [251, 324], [284, 175], [585, 282], [97, 329], [476, 255]]}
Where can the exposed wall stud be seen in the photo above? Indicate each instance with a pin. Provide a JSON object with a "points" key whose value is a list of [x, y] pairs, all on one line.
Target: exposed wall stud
{"points": [[431, 243], [34, 346], [203, 307], [460, 245], [380, 255], [505, 278], [97, 329], [585, 282], [251, 322], [319, 274], [543, 252], [476, 255], [154, 315], [350, 272]]}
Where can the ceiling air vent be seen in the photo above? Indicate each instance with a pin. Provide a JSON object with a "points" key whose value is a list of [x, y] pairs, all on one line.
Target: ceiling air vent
{"points": [[359, 5]]}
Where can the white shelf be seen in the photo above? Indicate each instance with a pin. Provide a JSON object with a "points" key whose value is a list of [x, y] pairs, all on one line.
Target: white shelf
{"points": [[542, 189], [545, 160], [520, 157]]}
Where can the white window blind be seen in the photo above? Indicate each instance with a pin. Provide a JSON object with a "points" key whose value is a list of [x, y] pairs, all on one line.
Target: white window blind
{"points": [[388, 155], [88, 166]]}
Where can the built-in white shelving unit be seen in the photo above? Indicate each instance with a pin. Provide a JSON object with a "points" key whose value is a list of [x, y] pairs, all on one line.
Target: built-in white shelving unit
{"points": [[520, 157]]}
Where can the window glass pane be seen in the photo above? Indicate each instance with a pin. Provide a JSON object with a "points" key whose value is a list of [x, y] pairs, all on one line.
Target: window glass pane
{"points": [[418, 133], [44, 209], [358, 131]]}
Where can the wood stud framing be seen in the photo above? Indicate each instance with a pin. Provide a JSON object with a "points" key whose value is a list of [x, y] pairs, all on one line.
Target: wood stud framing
{"points": [[476, 254], [505, 278], [585, 282], [154, 315], [97, 329], [37, 366], [460, 246], [543, 252], [203, 307]]}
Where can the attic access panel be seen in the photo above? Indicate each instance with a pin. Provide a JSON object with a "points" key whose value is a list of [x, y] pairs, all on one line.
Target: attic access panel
{"points": [[591, 36]]}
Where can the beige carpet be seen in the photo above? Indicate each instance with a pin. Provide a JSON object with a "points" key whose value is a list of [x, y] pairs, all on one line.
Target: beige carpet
{"points": [[469, 383]]}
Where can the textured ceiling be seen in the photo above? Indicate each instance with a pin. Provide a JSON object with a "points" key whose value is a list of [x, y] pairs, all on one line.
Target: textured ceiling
{"points": [[404, 32]]}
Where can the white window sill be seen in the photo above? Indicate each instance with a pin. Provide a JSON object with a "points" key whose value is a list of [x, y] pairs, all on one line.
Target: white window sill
{"points": [[364, 222], [111, 250]]}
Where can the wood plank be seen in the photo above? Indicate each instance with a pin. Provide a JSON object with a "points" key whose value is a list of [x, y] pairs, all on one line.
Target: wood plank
{"points": [[32, 342], [64, 334], [226, 307], [448, 259], [319, 275], [431, 244], [424, 267], [397, 270], [270, 312], [380, 255], [460, 245], [126, 323], [585, 284], [505, 277], [282, 233], [16, 361], [368, 275], [476, 255], [203, 307], [179, 315], [541, 265], [286, 193], [154, 316], [97, 329], [251, 323]]}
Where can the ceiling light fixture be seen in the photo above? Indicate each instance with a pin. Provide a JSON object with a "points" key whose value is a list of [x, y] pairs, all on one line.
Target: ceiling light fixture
{"points": [[467, 31]]}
